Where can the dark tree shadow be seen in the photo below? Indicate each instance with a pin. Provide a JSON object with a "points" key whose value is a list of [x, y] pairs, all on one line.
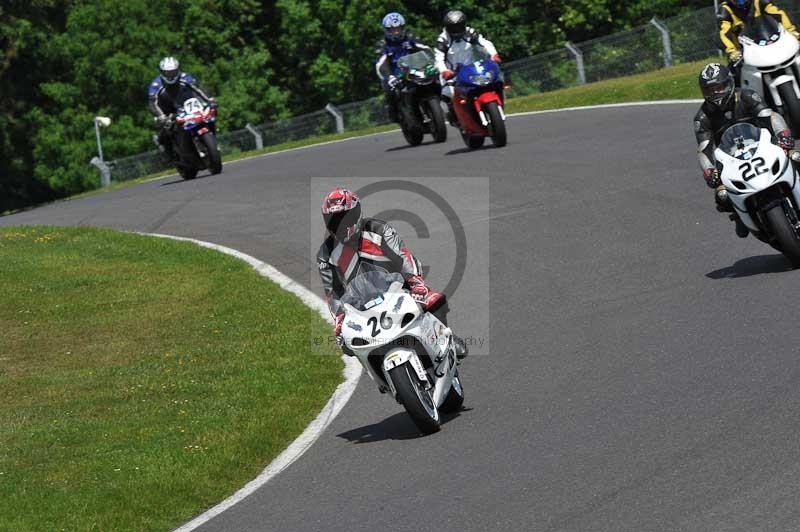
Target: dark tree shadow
{"points": [[750, 266], [395, 427]]}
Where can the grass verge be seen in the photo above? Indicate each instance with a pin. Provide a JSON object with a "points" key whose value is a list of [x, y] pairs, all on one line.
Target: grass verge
{"points": [[143, 379], [675, 83]]}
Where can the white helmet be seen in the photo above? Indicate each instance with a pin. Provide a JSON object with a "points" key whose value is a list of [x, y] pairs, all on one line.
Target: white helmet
{"points": [[170, 70]]}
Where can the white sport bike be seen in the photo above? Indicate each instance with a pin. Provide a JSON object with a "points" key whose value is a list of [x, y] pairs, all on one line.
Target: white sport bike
{"points": [[761, 182], [771, 66], [405, 350]]}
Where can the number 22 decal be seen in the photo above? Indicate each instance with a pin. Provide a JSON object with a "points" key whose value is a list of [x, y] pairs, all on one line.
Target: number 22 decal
{"points": [[749, 171]]}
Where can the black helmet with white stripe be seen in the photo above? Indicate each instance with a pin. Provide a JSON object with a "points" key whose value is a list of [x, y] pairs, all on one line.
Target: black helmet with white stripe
{"points": [[716, 84]]}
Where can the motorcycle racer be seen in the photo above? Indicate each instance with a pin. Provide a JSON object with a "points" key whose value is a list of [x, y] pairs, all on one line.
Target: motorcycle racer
{"points": [[736, 13], [722, 107], [163, 97], [397, 43], [352, 241], [454, 47]]}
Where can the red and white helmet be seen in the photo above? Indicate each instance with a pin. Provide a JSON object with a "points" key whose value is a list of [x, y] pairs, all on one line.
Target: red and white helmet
{"points": [[341, 210]]}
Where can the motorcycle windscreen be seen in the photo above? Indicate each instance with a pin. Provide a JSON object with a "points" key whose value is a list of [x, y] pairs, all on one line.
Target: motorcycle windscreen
{"points": [[369, 287], [763, 30], [415, 61], [471, 53], [740, 141]]}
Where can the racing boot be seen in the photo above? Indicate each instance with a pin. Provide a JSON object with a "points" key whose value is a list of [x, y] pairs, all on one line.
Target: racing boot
{"points": [[460, 347], [391, 108], [741, 230]]}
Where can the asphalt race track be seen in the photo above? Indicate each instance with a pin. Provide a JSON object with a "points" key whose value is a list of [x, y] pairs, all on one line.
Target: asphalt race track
{"points": [[644, 371]]}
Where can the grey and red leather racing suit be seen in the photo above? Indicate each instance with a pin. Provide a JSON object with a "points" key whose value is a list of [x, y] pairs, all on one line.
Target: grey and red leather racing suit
{"points": [[379, 245]]}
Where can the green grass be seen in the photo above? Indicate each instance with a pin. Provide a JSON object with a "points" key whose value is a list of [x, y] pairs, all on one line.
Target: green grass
{"points": [[675, 83], [142, 380]]}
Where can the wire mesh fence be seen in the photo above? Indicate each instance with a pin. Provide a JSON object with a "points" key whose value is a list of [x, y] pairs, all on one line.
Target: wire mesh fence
{"points": [[693, 36]]}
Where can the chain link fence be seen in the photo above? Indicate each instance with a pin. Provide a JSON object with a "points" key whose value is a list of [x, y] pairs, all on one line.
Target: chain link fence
{"points": [[691, 36]]}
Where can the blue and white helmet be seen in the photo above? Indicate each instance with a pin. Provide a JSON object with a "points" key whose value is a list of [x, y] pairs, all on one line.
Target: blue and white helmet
{"points": [[394, 27], [170, 70]]}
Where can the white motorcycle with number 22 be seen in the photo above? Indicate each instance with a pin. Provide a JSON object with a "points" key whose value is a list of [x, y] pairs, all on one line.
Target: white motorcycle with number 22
{"points": [[405, 350], [761, 182]]}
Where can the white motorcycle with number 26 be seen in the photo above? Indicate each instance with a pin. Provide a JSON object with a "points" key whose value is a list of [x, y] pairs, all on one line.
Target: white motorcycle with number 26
{"points": [[761, 182], [405, 350]]}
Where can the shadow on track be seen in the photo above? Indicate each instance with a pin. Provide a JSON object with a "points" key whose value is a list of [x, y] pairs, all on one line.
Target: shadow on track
{"points": [[396, 427], [750, 266], [489, 146], [409, 146]]}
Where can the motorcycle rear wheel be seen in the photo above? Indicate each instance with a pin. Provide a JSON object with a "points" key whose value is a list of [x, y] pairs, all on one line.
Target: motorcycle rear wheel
{"points": [[473, 142], [785, 233], [212, 153], [497, 126], [416, 400], [187, 173]]}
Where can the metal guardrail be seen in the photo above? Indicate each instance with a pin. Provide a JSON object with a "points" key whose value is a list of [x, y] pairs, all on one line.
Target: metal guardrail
{"points": [[680, 39]]}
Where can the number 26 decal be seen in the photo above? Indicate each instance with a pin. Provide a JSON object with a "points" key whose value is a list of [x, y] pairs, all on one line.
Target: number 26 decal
{"points": [[753, 168]]}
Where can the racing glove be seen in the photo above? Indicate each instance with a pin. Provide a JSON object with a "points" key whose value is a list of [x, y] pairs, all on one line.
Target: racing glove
{"points": [[448, 74], [735, 57], [393, 82], [785, 140], [337, 327], [497, 59], [711, 175], [422, 293]]}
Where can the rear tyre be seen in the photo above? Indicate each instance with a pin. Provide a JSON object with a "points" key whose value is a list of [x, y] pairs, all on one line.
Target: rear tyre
{"points": [[455, 397], [186, 172], [497, 126], [411, 126], [791, 107], [785, 232], [473, 142], [438, 127], [416, 400], [212, 152]]}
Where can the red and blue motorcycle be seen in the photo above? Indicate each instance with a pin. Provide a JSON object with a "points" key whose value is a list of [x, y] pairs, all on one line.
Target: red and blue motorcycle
{"points": [[195, 138], [478, 100]]}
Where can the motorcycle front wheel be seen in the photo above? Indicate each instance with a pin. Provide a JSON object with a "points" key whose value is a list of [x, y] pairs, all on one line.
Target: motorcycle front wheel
{"points": [[497, 126], [438, 127], [212, 152], [784, 231], [417, 401], [411, 125]]}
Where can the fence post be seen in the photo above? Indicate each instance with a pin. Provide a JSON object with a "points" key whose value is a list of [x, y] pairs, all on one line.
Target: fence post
{"points": [[578, 59], [253, 131], [665, 40], [337, 115], [105, 170]]}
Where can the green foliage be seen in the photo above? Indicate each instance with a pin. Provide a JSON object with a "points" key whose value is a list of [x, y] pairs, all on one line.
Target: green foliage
{"points": [[62, 62]]}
